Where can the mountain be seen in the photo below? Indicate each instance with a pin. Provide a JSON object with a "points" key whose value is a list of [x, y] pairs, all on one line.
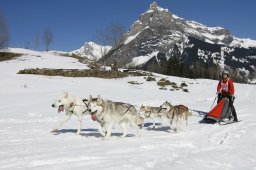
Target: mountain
{"points": [[159, 36], [92, 51]]}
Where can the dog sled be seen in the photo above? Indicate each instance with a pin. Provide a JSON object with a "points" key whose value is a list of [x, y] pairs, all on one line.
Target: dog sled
{"points": [[221, 113]]}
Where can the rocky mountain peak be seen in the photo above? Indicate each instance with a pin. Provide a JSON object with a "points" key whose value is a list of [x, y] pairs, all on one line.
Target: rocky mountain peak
{"points": [[158, 36], [153, 5], [155, 17]]}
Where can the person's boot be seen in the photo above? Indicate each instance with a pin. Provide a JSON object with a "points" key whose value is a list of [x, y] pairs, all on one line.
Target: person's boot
{"points": [[234, 114], [235, 117]]}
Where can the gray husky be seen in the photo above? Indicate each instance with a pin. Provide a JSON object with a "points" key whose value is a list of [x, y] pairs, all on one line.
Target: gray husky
{"points": [[152, 112], [107, 113], [176, 113]]}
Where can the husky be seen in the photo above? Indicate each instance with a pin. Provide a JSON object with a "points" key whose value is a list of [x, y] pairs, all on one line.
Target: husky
{"points": [[72, 105], [177, 113], [107, 113], [152, 112]]}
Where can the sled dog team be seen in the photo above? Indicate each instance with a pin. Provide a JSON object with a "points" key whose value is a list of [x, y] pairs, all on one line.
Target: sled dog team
{"points": [[107, 113]]}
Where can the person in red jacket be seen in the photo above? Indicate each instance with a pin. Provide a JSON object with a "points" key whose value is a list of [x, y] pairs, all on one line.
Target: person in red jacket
{"points": [[226, 89]]}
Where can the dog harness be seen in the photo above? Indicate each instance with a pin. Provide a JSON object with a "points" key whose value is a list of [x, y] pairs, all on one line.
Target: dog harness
{"points": [[86, 105]]}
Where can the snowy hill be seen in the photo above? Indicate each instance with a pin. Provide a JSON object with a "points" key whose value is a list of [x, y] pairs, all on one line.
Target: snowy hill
{"points": [[159, 36], [92, 51], [37, 59], [27, 119]]}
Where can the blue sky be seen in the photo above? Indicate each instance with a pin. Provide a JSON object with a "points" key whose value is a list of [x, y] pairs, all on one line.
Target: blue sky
{"points": [[74, 22]]}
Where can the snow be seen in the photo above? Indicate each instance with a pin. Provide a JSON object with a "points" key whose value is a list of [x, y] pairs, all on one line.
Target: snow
{"points": [[209, 41], [162, 9], [136, 61], [177, 18], [234, 58], [203, 54], [210, 36], [35, 59], [243, 42], [244, 70], [192, 31], [149, 11], [27, 119], [207, 32], [130, 38], [195, 24], [251, 57]]}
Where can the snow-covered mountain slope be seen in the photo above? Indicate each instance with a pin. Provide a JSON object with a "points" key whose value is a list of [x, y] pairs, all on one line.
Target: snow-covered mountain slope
{"points": [[92, 51], [160, 32], [37, 59], [27, 119], [217, 35]]}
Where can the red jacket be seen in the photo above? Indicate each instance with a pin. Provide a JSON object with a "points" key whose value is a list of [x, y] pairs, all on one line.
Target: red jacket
{"points": [[226, 87]]}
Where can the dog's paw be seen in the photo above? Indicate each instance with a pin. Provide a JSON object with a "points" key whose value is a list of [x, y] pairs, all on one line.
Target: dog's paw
{"points": [[103, 134], [175, 130], [123, 136], [55, 131]]}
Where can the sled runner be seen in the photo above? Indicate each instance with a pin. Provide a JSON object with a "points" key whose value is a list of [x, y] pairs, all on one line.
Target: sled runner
{"points": [[221, 113]]}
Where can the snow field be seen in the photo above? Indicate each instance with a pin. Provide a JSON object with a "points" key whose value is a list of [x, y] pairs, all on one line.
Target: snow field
{"points": [[27, 119]]}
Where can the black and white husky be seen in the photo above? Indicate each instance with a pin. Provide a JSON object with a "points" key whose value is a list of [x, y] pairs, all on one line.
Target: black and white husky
{"points": [[107, 113]]}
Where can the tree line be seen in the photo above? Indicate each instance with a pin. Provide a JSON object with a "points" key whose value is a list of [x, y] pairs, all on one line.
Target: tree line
{"points": [[198, 69]]}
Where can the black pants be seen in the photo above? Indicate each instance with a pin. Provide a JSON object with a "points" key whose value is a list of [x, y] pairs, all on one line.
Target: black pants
{"points": [[231, 105]]}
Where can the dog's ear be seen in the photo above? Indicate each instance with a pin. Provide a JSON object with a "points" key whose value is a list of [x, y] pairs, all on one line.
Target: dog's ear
{"points": [[99, 99], [65, 94], [90, 98], [141, 106]]}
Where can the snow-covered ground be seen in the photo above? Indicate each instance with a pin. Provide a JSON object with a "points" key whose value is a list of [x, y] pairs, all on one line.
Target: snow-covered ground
{"points": [[27, 119]]}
